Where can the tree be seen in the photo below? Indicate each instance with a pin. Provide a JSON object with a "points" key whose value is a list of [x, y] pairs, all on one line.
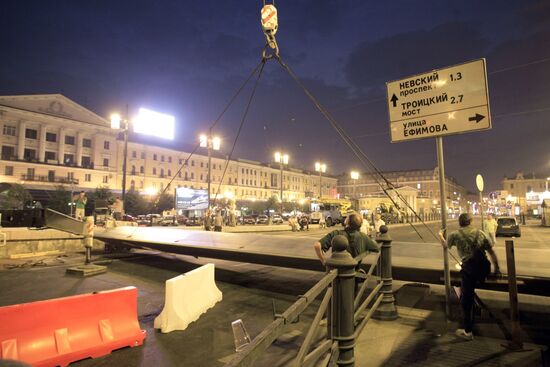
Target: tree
{"points": [[135, 204], [100, 193], [164, 202], [15, 197], [60, 199]]}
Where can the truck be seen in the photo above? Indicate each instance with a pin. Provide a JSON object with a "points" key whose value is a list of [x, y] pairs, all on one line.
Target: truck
{"points": [[334, 211]]}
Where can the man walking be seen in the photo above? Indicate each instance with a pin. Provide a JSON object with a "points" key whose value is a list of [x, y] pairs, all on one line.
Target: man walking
{"points": [[490, 225], [218, 222], [471, 244], [358, 241], [378, 222]]}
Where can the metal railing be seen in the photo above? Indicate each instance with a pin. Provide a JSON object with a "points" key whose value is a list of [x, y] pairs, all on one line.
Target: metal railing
{"points": [[342, 303], [46, 178]]}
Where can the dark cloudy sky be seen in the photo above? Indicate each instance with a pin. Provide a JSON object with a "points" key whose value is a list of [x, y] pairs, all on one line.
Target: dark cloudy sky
{"points": [[187, 58]]}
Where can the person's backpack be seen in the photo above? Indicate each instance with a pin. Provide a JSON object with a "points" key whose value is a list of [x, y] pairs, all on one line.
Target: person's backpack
{"points": [[477, 266]]}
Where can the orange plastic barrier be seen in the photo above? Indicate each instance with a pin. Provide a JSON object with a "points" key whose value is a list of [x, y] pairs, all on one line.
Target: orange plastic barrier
{"points": [[59, 331]]}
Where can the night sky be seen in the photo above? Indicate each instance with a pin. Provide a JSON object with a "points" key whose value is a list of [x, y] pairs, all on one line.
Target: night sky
{"points": [[187, 58]]}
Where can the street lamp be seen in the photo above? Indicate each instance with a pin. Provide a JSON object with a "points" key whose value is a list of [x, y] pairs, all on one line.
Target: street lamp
{"points": [[354, 176], [547, 179], [281, 158], [210, 143], [116, 122], [321, 168]]}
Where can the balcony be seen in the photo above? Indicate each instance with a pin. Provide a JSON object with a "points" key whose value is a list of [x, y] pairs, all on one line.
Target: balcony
{"points": [[46, 178]]}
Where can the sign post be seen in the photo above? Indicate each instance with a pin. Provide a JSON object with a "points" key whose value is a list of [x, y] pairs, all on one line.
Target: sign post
{"points": [[479, 184], [438, 103]]}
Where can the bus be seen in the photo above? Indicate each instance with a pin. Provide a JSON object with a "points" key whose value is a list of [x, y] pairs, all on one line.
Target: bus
{"points": [[333, 210]]}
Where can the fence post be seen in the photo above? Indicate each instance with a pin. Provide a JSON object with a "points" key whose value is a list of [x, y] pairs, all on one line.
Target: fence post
{"points": [[515, 343], [342, 304], [386, 310]]}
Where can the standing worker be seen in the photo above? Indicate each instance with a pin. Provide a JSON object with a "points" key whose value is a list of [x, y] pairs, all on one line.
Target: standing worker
{"points": [[378, 222], [358, 241], [218, 222], [471, 244], [80, 204], [490, 225]]}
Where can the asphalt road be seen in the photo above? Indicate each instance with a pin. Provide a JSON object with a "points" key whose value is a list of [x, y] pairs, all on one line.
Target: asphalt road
{"points": [[532, 249]]}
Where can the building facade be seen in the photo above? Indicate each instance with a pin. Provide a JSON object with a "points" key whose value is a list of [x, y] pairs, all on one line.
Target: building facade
{"points": [[425, 182], [49, 140], [524, 192]]}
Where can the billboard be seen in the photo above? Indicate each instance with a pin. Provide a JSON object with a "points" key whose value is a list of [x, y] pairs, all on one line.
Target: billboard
{"points": [[154, 124], [191, 199]]}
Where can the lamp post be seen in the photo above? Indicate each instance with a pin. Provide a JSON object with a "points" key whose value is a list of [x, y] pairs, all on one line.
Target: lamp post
{"points": [[281, 158], [354, 176], [210, 143], [547, 179], [151, 192], [321, 168], [116, 122]]}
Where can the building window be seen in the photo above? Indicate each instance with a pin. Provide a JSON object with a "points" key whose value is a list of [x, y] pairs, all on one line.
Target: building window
{"points": [[141, 169], [162, 158], [186, 177], [68, 159], [179, 174], [106, 145], [87, 143], [142, 155], [9, 130], [88, 177], [511, 185], [193, 163], [86, 162], [169, 173], [133, 171], [192, 175], [154, 171], [201, 177], [49, 156], [8, 170], [30, 172], [169, 159], [134, 154], [105, 162], [29, 154], [70, 176], [162, 172], [8, 152], [105, 179], [69, 140], [154, 157], [202, 164], [51, 137], [31, 134]]}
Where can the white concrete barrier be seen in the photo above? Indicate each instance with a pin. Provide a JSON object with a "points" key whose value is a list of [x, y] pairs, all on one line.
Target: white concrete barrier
{"points": [[187, 297]]}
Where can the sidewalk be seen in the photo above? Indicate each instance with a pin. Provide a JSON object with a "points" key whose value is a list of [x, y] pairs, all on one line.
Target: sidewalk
{"points": [[422, 336]]}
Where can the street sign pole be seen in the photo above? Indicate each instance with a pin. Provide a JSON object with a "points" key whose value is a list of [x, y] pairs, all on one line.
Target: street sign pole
{"points": [[443, 196], [479, 184]]}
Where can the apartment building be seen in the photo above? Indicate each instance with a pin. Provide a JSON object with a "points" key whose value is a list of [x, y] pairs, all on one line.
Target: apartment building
{"points": [[49, 140]]}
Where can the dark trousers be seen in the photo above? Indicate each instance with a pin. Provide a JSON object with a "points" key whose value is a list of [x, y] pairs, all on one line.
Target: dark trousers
{"points": [[468, 287]]}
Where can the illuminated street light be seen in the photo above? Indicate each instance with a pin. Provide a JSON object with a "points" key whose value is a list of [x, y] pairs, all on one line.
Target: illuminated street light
{"points": [[354, 176], [321, 168], [117, 123], [282, 159], [147, 122], [211, 143]]}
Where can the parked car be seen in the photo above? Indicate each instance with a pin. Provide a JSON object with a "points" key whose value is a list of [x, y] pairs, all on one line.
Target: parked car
{"points": [[276, 219], [168, 221], [128, 218], [508, 226], [248, 219], [193, 222], [262, 219]]}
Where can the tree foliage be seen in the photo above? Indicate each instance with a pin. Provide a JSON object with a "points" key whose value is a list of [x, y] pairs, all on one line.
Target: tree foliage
{"points": [[135, 204], [60, 199], [15, 197]]}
